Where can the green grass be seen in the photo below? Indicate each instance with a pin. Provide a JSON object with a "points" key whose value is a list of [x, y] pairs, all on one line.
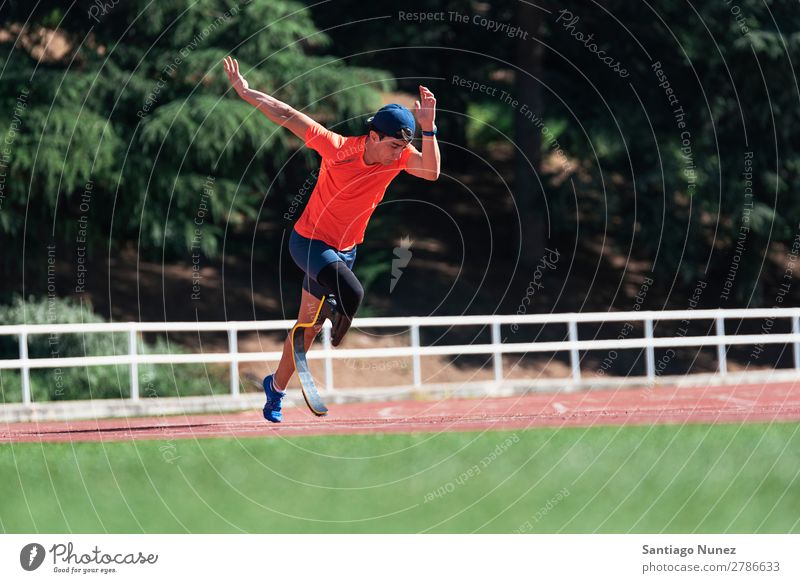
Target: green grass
{"points": [[723, 478]]}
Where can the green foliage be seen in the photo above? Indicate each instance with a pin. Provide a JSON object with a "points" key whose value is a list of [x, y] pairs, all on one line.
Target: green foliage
{"points": [[95, 382], [140, 110], [714, 68], [488, 122], [623, 132]]}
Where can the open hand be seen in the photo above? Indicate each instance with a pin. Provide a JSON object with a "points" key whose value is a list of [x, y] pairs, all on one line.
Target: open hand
{"points": [[232, 69], [425, 109]]}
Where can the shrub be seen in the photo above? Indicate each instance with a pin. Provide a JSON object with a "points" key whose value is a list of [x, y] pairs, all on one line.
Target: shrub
{"points": [[94, 382]]}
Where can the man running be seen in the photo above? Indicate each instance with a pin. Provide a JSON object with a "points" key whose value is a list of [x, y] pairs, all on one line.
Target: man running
{"points": [[353, 177]]}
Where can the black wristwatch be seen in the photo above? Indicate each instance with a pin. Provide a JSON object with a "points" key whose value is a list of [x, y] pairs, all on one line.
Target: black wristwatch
{"points": [[429, 134]]}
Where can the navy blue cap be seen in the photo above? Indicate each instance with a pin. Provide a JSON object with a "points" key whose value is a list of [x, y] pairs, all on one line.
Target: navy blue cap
{"points": [[395, 121]]}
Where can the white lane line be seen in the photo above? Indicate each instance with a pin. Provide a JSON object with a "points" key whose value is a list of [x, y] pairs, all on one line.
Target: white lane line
{"points": [[735, 400]]}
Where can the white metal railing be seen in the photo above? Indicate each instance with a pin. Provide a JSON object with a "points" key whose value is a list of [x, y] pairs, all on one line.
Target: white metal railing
{"points": [[496, 348]]}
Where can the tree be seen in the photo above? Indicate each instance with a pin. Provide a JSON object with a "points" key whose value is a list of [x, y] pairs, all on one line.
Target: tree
{"points": [[132, 136], [530, 195]]}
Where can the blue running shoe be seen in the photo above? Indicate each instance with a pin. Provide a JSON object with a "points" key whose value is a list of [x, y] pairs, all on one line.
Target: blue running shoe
{"points": [[272, 409]]}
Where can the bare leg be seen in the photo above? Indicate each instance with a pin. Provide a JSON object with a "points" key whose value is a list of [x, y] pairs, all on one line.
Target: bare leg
{"points": [[308, 309]]}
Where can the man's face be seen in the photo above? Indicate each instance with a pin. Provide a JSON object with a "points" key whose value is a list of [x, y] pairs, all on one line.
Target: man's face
{"points": [[386, 150]]}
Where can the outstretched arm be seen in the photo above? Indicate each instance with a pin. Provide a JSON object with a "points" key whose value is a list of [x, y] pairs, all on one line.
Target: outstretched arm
{"points": [[425, 164], [277, 111]]}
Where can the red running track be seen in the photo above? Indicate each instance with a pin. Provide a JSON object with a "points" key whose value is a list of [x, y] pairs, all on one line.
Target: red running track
{"points": [[774, 402]]}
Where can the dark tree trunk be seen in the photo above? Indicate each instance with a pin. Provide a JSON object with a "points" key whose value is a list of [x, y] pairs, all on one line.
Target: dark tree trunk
{"points": [[528, 192]]}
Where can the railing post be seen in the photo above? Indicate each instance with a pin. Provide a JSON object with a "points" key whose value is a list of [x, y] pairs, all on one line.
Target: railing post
{"points": [[574, 356], [796, 344], [415, 359], [498, 356], [25, 371], [326, 344], [722, 355], [649, 352], [233, 349], [132, 338]]}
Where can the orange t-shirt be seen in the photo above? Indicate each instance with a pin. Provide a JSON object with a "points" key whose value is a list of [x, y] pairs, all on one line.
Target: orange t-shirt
{"points": [[347, 189]]}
